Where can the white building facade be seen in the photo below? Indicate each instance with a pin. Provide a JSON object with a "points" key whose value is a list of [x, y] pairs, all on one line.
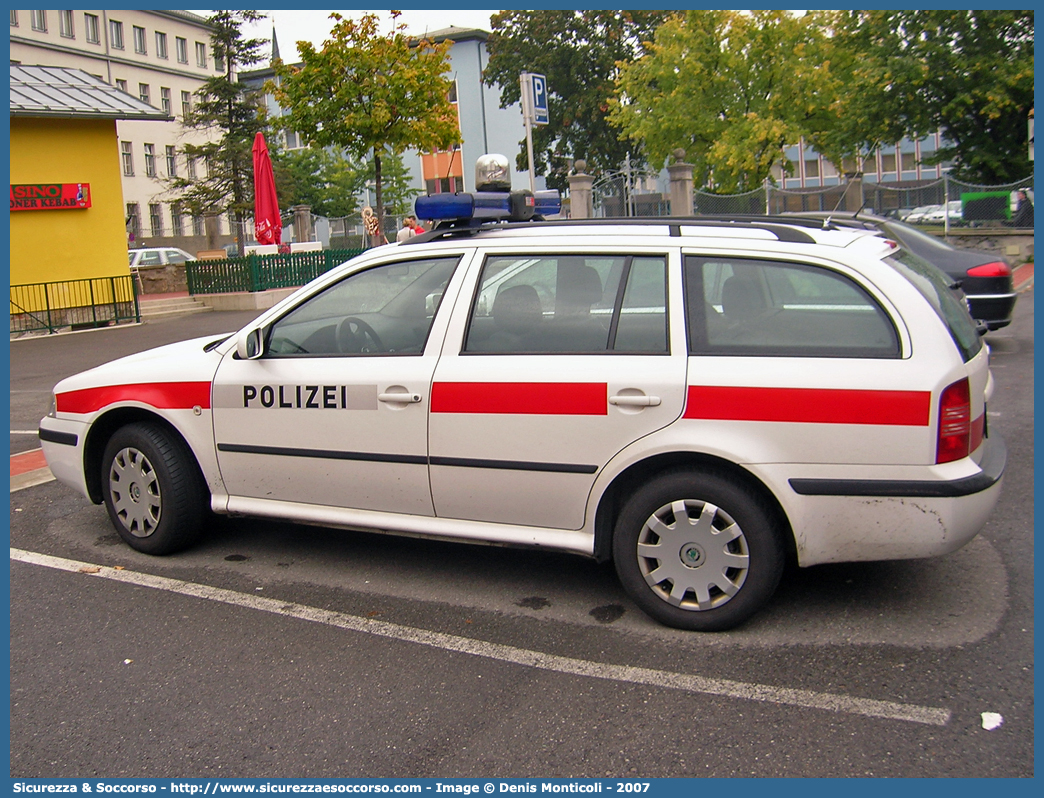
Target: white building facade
{"points": [[160, 57]]}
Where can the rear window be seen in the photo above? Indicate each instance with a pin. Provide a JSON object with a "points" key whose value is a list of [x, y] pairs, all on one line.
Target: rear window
{"points": [[934, 286]]}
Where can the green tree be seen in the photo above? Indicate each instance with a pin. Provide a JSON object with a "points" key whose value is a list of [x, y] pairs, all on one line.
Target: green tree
{"points": [[732, 89], [232, 116], [331, 184], [398, 191], [967, 74], [369, 93], [579, 53]]}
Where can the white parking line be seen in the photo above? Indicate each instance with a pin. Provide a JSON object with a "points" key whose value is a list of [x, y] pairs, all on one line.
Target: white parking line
{"points": [[519, 656]]}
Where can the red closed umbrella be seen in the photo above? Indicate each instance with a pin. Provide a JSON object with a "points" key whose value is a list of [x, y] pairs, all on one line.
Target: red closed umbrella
{"points": [[267, 226]]}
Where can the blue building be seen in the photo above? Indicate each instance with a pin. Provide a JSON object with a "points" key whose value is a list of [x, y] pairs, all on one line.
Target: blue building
{"points": [[484, 126]]}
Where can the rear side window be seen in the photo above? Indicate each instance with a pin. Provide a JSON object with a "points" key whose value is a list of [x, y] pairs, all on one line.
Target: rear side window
{"points": [[738, 306], [934, 286], [570, 304]]}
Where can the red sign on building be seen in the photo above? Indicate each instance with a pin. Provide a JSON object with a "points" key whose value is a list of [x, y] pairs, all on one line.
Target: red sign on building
{"points": [[50, 196]]}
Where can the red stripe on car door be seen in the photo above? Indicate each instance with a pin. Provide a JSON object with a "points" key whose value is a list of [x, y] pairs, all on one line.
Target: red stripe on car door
{"points": [[520, 398], [809, 405], [161, 395]]}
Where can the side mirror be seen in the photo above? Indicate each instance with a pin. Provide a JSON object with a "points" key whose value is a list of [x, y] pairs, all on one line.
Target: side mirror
{"points": [[250, 344]]}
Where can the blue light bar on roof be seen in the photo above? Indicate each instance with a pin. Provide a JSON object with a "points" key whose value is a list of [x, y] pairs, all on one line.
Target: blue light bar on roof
{"points": [[512, 206]]}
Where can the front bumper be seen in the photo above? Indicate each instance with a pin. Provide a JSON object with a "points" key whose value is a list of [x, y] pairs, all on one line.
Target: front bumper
{"points": [[62, 442]]}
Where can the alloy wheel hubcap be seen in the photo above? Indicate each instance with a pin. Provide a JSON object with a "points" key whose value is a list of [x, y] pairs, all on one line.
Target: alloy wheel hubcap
{"points": [[693, 555], [135, 492]]}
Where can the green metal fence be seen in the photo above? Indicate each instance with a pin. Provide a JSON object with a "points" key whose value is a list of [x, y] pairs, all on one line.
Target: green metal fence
{"points": [[73, 305], [262, 272]]}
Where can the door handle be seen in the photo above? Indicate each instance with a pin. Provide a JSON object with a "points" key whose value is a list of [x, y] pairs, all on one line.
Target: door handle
{"points": [[399, 398], [640, 400]]}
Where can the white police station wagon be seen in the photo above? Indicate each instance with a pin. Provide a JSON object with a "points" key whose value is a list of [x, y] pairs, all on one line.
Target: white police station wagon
{"points": [[696, 401]]}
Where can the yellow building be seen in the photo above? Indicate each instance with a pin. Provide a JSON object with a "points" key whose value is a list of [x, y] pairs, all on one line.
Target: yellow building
{"points": [[67, 210]]}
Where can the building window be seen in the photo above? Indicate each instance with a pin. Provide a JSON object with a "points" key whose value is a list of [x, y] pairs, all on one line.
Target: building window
{"points": [[133, 221], [161, 45], [139, 41], [172, 161], [116, 34], [121, 85], [165, 100], [182, 49], [197, 226], [127, 157], [219, 64], [441, 185], [190, 167], [14, 18], [155, 219], [186, 105], [150, 160], [65, 24], [201, 55], [292, 140], [177, 226], [90, 29], [143, 93], [39, 19]]}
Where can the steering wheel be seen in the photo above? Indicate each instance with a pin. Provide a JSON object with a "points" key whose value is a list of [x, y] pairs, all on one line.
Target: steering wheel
{"points": [[355, 336]]}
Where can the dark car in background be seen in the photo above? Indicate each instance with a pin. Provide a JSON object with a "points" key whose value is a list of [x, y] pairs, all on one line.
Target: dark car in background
{"points": [[985, 277]]}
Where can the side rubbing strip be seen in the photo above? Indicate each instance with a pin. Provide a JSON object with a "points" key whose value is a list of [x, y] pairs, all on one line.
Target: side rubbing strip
{"points": [[325, 454], [521, 398], [52, 436], [809, 405], [410, 459], [514, 465]]}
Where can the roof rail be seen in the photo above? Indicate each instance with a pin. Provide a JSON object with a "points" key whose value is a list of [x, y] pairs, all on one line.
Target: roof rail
{"points": [[782, 227]]}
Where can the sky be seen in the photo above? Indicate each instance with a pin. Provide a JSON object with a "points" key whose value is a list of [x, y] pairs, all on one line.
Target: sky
{"points": [[314, 26]]}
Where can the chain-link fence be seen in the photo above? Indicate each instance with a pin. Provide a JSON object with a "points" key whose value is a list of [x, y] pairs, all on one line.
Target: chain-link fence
{"points": [[945, 202]]}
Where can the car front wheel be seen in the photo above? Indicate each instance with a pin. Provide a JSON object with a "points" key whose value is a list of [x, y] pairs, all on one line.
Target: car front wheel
{"points": [[153, 490], [697, 551]]}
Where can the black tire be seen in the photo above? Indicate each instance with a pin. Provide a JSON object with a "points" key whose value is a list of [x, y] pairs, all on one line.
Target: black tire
{"points": [[686, 576], [153, 489]]}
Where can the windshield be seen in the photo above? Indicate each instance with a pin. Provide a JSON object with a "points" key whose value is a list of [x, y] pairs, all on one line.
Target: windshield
{"points": [[934, 286]]}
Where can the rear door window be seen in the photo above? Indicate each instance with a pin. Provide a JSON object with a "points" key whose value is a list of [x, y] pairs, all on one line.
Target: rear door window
{"points": [[570, 304], [740, 306]]}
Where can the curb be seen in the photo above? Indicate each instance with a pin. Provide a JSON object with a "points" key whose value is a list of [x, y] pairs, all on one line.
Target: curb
{"points": [[1022, 277], [28, 469]]}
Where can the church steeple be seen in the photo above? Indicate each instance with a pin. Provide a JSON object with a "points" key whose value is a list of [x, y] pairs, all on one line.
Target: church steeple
{"points": [[275, 44]]}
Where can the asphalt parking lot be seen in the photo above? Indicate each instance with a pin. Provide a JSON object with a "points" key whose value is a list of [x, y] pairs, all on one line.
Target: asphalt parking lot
{"points": [[279, 650]]}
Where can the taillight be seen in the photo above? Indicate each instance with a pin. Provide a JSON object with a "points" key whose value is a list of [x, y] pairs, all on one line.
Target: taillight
{"points": [[995, 269], [954, 423]]}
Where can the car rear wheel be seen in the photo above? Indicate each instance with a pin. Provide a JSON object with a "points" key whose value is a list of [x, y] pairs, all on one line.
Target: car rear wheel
{"points": [[153, 490], [697, 551]]}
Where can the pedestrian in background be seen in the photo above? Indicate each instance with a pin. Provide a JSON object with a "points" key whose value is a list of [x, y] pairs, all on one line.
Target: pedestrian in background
{"points": [[1023, 211], [374, 237], [407, 231]]}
